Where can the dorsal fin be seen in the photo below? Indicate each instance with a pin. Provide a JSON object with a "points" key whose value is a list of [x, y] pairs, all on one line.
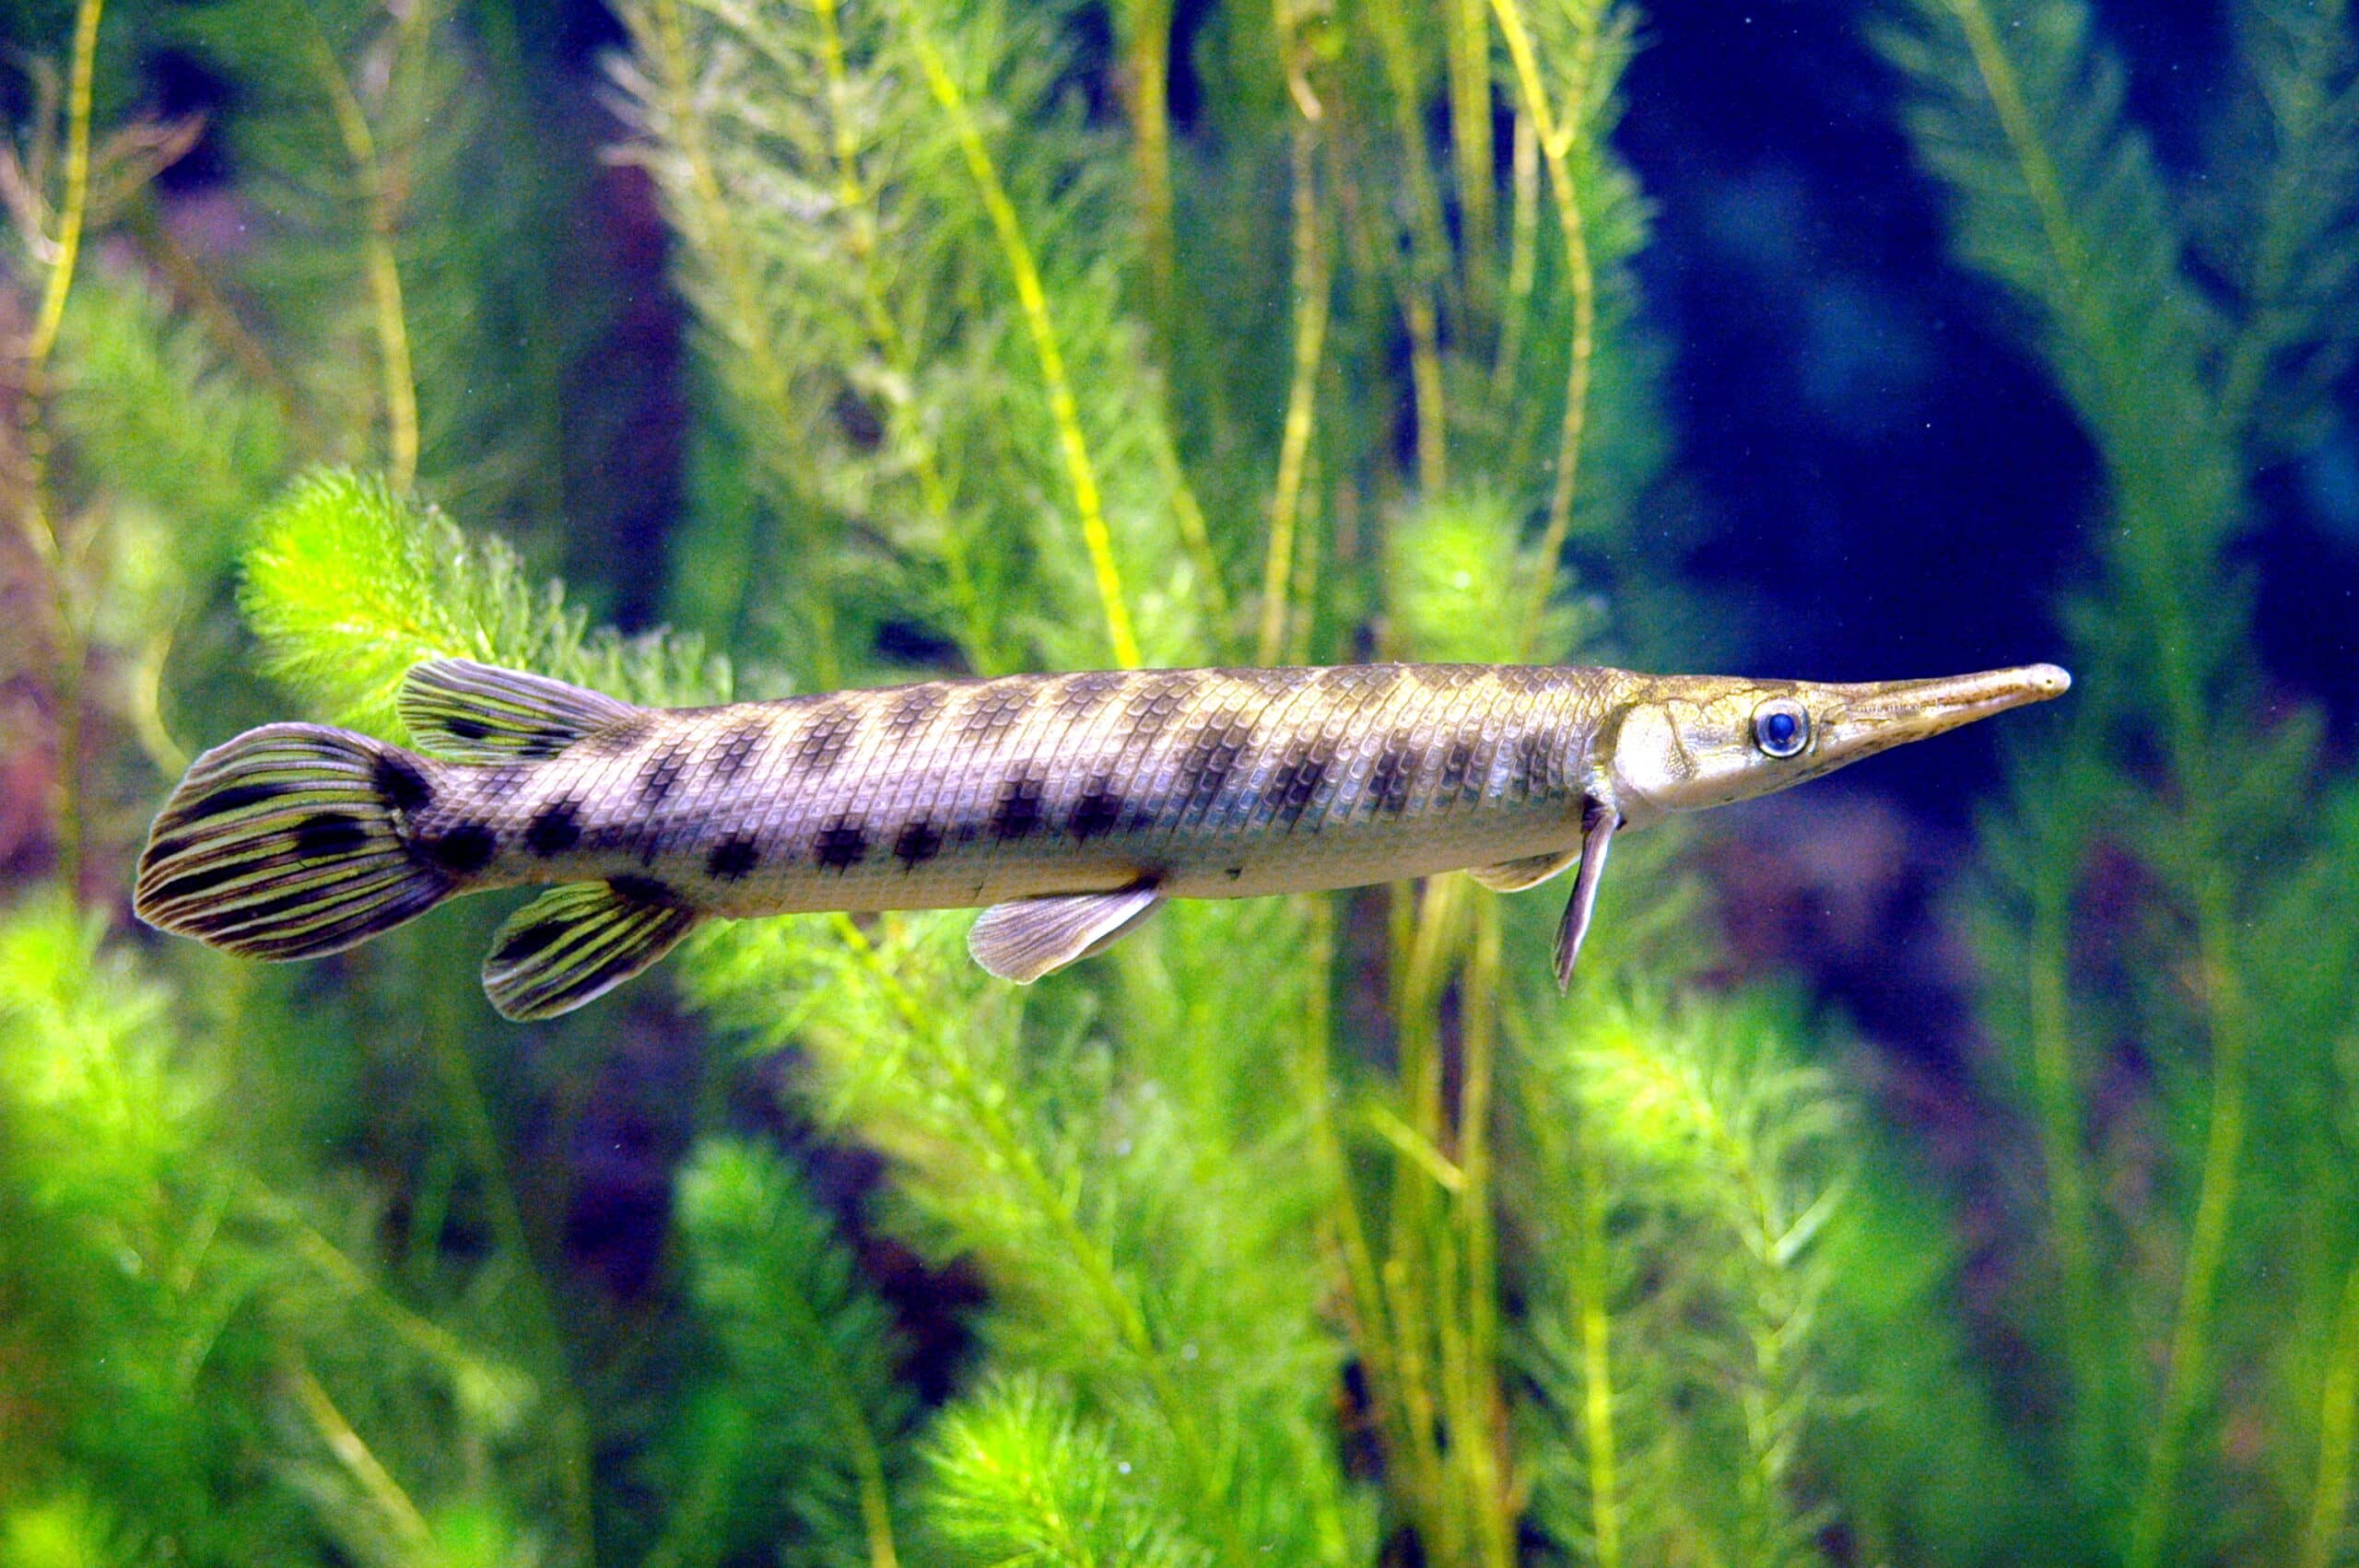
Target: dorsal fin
{"points": [[470, 712], [577, 943]]}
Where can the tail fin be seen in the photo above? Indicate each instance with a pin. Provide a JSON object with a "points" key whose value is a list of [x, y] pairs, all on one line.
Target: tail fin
{"points": [[286, 843]]}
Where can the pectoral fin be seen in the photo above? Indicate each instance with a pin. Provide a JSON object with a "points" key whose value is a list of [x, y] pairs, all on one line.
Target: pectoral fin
{"points": [[577, 943], [1026, 937], [1514, 876], [1596, 836]]}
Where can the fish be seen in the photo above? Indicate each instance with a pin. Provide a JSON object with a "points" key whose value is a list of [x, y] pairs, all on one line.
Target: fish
{"points": [[1068, 807]]}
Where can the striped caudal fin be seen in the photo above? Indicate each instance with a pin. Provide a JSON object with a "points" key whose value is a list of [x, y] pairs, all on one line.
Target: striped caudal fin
{"points": [[285, 843]]}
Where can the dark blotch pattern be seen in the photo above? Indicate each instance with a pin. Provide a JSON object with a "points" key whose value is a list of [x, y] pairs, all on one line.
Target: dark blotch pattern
{"points": [[661, 774], [1210, 758], [737, 749], [1020, 811], [913, 708], [1297, 781], [1455, 764], [465, 847], [329, 836], [1098, 811], [542, 745], [646, 890], [841, 845], [825, 737], [555, 829], [999, 708], [732, 858], [1390, 782], [1535, 750], [917, 842], [466, 729], [399, 783]]}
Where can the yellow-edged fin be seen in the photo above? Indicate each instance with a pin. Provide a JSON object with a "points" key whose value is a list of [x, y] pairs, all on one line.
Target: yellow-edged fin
{"points": [[1514, 876], [575, 944], [285, 843], [1026, 937], [470, 712]]}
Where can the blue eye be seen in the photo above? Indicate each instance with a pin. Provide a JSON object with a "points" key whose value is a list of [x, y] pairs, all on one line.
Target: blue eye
{"points": [[1780, 727]]}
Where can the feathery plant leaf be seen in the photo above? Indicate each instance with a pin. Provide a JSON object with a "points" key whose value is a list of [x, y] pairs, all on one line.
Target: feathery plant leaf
{"points": [[1022, 1480], [350, 585], [800, 1424], [839, 172]]}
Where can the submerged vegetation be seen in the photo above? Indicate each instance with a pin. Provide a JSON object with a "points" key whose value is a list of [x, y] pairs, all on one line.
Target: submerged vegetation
{"points": [[1299, 1231]]}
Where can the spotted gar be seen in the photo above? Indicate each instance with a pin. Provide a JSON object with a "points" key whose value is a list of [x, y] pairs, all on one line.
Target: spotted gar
{"points": [[1069, 806]]}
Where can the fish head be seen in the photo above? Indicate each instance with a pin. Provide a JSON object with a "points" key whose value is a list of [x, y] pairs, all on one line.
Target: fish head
{"points": [[1689, 742]]}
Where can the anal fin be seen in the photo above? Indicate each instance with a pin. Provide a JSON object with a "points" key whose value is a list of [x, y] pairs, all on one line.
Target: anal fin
{"points": [[1514, 876], [576, 943], [1026, 937]]}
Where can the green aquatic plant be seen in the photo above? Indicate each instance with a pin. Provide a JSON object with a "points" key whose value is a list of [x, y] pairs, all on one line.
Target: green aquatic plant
{"points": [[2195, 340]]}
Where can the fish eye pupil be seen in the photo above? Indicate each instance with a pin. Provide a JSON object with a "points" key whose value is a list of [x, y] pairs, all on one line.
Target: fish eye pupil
{"points": [[1781, 728]]}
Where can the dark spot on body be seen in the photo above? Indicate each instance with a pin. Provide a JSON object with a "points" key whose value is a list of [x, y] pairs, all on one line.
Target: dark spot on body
{"points": [[825, 737], [1536, 750], [466, 729], [841, 845], [1395, 774], [1455, 763], [1210, 758], [646, 890], [998, 707], [237, 797], [329, 836], [1020, 811], [1297, 781], [1236, 871], [661, 774], [732, 858], [737, 749], [399, 783], [463, 848], [555, 829], [1098, 811], [917, 842], [914, 707]]}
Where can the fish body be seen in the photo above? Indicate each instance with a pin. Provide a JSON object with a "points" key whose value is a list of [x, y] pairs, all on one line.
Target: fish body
{"points": [[1071, 805]]}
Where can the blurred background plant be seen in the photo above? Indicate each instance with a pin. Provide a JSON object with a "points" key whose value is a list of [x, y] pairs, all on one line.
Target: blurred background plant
{"points": [[1008, 337]]}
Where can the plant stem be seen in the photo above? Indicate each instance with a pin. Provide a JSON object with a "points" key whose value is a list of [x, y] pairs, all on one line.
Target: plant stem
{"points": [[884, 332], [2208, 1237], [2338, 1419], [1474, 1423], [1080, 471], [40, 527], [743, 327], [1147, 57], [385, 272], [1310, 305], [1557, 139], [2057, 1086]]}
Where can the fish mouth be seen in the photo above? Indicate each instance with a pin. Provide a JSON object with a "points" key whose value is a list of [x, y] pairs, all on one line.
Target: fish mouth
{"points": [[1875, 717]]}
